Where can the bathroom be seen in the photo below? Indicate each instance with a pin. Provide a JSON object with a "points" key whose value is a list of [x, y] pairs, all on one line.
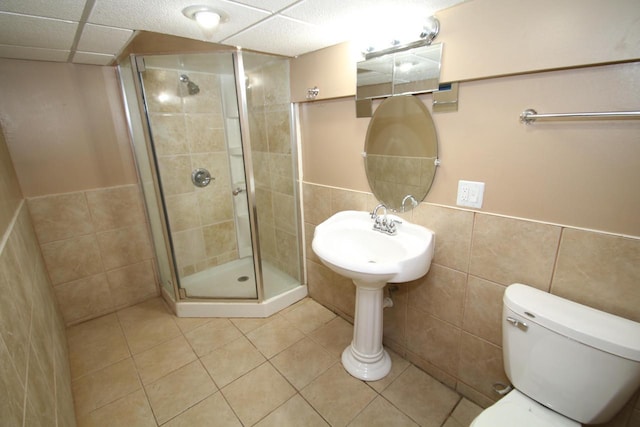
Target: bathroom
{"points": [[558, 213]]}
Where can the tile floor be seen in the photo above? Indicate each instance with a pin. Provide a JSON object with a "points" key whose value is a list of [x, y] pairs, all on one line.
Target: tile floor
{"points": [[142, 366]]}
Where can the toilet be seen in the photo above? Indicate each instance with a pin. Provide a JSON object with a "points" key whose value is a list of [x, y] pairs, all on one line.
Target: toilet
{"points": [[569, 364]]}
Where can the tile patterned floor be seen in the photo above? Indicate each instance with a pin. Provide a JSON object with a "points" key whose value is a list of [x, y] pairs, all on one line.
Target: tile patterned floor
{"points": [[142, 366]]}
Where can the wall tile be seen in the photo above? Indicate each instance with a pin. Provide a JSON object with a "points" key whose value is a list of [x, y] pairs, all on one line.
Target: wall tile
{"points": [[15, 311], [189, 247], [60, 217], [218, 165], [10, 192], [13, 390], [208, 100], [317, 203], [72, 259], [600, 271], [85, 298], [205, 133], [124, 246], [169, 134], [309, 230], [115, 207], [131, 284], [432, 339], [395, 318], [213, 206], [507, 250], [481, 365], [175, 174], [278, 131], [483, 310], [342, 200], [219, 238], [183, 211], [338, 291], [40, 393], [440, 293], [166, 82], [453, 228]]}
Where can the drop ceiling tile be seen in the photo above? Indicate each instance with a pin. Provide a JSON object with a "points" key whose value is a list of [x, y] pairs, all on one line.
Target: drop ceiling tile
{"points": [[270, 5], [21, 30], [101, 39], [92, 58], [365, 20], [355, 13], [166, 17], [33, 53], [284, 36], [61, 9]]}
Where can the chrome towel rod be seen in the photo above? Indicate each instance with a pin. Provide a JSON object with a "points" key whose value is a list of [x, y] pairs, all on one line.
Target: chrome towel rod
{"points": [[530, 115]]}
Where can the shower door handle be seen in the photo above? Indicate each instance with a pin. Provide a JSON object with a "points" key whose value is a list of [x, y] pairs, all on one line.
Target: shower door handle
{"points": [[201, 177], [237, 191]]}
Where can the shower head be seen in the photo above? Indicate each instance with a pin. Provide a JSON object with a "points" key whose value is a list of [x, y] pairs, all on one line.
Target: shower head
{"points": [[191, 86]]}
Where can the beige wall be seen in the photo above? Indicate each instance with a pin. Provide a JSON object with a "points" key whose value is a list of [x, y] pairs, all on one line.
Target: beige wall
{"points": [[66, 132], [485, 38], [65, 126], [35, 382], [572, 173]]}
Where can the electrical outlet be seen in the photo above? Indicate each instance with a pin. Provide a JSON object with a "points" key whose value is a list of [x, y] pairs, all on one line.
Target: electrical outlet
{"points": [[470, 193]]}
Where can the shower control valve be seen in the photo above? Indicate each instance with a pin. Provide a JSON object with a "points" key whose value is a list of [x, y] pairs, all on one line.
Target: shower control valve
{"points": [[201, 177]]}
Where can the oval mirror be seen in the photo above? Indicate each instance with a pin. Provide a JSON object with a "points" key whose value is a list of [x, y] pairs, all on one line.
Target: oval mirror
{"points": [[401, 152]]}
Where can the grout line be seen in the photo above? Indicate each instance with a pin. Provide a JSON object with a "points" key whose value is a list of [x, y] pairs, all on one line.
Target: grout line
{"points": [[267, 360], [554, 268]]}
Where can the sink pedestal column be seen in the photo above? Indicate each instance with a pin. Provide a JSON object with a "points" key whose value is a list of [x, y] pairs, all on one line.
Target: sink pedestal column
{"points": [[365, 358]]}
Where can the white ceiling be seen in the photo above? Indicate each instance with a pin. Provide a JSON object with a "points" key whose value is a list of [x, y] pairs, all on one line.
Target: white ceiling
{"points": [[95, 31]]}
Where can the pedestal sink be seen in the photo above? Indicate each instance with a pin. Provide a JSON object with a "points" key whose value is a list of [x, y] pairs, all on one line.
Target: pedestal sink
{"points": [[348, 245]]}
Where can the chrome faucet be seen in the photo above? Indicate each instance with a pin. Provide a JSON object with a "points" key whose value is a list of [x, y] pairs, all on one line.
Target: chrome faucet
{"points": [[382, 223], [374, 212], [412, 199]]}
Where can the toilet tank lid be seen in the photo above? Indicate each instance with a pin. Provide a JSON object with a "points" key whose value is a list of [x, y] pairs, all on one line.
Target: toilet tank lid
{"points": [[595, 328]]}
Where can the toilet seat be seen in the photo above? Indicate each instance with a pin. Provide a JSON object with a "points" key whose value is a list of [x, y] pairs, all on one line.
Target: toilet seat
{"points": [[516, 409]]}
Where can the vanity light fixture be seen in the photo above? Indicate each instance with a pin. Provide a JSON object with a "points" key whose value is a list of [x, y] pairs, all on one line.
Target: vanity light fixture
{"points": [[206, 17], [429, 31]]}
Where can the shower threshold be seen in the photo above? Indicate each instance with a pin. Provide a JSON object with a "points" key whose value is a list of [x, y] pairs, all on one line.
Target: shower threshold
{"points": [[235, 280]]}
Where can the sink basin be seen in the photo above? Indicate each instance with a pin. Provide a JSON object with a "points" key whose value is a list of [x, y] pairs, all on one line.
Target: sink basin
{"points": [[348, 244]]}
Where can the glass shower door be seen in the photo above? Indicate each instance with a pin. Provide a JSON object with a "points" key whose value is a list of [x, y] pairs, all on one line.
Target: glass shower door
{"points": [[193, 119]]}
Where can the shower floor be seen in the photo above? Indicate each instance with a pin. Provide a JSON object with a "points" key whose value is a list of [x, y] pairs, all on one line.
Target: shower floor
{"points": [[237, 280]]}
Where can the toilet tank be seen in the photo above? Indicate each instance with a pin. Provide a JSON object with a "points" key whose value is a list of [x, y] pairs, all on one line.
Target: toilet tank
{"points": [[578, 361]]}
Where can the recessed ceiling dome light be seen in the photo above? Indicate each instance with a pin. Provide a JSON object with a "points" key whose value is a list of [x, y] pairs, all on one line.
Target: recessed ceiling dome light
{"points": [[206, 17]]}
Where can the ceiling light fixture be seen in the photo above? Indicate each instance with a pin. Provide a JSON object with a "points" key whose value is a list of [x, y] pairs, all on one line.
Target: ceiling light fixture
{"points": [[206, 17]]}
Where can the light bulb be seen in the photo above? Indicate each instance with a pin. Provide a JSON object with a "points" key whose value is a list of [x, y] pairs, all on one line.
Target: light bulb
{"points": [[207, 19]]}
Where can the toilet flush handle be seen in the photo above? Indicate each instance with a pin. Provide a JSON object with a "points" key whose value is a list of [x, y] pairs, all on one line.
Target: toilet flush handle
{"points": [[518, 323]]}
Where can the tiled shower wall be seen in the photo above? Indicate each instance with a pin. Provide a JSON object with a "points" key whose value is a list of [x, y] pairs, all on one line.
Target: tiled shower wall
{"points": [[269, 116], [449, 322], [96, 249], [188, 133], [35, 382]]}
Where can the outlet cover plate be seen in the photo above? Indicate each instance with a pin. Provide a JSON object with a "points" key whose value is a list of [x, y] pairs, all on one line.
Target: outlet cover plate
{"points": [[470, 194]]}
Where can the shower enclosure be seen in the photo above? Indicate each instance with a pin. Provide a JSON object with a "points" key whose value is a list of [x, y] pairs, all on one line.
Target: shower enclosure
{"points": [[215, 149]]}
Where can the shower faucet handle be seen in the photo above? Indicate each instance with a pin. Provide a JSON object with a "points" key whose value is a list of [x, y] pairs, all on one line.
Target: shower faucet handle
{"points": [[201, 177]]}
